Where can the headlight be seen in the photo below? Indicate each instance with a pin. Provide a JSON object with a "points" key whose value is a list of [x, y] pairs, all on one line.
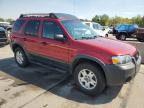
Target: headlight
{"points": [[121, 59]]}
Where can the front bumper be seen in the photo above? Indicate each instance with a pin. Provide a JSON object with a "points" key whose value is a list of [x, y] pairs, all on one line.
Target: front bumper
{"points": [[120, 74], [3, 41]]}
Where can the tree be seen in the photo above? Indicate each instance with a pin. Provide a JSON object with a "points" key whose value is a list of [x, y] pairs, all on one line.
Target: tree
{"points": [[96, 19], [105, 19], [102, 19], [110, 21], [142, 24], [1, 19], [137, 20], [9, 20]]}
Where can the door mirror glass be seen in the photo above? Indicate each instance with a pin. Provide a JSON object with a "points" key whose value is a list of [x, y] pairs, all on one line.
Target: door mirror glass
{"points": [[59, 37]]}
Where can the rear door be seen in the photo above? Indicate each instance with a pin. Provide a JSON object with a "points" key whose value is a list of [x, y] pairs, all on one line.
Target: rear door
{"points": [[31, 36], [17, 32]]}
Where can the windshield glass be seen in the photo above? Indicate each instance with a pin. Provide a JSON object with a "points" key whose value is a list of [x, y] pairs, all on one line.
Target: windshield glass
{"points": [[78, 30]]}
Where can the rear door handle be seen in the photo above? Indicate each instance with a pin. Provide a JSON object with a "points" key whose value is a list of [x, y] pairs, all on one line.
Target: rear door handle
{"points": [[24, 39], [44, 43]]}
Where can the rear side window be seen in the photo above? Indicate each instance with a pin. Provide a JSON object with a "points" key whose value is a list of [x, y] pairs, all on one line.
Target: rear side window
{"points": [[50, 29], [32, 28], [17, 26]]}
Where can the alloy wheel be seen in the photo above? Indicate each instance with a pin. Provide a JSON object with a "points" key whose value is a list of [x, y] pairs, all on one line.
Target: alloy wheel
{"points": [[87, 79]]}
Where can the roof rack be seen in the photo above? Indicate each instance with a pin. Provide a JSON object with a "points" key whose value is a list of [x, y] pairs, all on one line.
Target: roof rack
{"points": [[62, 16], [50, 15]]}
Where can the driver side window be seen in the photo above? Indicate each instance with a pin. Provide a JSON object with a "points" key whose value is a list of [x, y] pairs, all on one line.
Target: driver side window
{"points": [[50, 29]]}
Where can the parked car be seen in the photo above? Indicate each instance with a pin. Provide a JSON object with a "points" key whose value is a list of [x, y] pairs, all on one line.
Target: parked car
{"points": [[3, 36], [140, 34], [97, 28], [123, 31], [107, 30], [111, 30], [63, 41], [7, 26]]}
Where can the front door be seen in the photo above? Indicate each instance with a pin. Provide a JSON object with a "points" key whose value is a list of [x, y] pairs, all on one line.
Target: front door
{"points": [[54, 50]]}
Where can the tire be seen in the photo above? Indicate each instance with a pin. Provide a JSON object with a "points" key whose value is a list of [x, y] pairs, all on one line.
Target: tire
{"points": [[122, 37], [20, 57], [96, 73], [106, 35], [117, 37], [140, 40]]}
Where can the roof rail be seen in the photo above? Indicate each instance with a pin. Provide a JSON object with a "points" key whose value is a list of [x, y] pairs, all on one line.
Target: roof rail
{"points": [[50, 15]]}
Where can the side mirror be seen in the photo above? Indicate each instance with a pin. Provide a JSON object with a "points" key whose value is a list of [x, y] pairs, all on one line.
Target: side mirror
{"points": [[59, 37]]}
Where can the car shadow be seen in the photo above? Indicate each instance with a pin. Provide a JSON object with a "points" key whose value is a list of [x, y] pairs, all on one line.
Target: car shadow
{"points": [[58, 83], [71, 92]]}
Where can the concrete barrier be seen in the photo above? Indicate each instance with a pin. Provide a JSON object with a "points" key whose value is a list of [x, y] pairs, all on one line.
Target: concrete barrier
{"points": [[140, 47]]}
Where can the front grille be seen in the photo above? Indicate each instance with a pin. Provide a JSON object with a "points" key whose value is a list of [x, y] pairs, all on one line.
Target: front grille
{"points": [[2, 34], [3, 37]]}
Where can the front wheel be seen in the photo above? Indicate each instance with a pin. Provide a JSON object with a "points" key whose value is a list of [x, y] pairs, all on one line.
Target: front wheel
{"points": [[89, 78], [106, 35]]}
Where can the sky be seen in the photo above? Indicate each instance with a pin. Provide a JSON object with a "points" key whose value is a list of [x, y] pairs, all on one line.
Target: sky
{"points": [[85, 9]]}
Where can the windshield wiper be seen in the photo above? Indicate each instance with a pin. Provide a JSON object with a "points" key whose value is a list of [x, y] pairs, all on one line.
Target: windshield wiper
{"points": [[93, 37], [89, 37]]}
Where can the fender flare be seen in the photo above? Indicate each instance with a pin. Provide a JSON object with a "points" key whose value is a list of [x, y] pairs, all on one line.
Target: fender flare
{"points": [[20, 45], [93, 59]]}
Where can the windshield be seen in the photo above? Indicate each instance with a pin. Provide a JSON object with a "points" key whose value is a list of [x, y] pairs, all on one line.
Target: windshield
{"points": [[79, 30]]}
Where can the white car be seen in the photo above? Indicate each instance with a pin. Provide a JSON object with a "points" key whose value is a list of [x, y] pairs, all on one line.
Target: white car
{"points": [[108, 29], [97, 28]]}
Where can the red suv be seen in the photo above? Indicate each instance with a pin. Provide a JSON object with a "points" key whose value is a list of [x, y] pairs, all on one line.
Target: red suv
{"points": [[62, 41]]}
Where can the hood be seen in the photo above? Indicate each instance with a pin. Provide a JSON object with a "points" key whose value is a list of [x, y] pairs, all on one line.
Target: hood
{"points": [[2, 29], [110, 46]]}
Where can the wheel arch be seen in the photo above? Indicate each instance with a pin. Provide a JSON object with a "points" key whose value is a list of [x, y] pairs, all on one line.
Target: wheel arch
{"points": [[123, 32], [16, 45], [92, 60]]}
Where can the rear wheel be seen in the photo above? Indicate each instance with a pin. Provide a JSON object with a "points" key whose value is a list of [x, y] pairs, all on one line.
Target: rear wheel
{"points": [[89, 78], [21, 58], [140, 39]]}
